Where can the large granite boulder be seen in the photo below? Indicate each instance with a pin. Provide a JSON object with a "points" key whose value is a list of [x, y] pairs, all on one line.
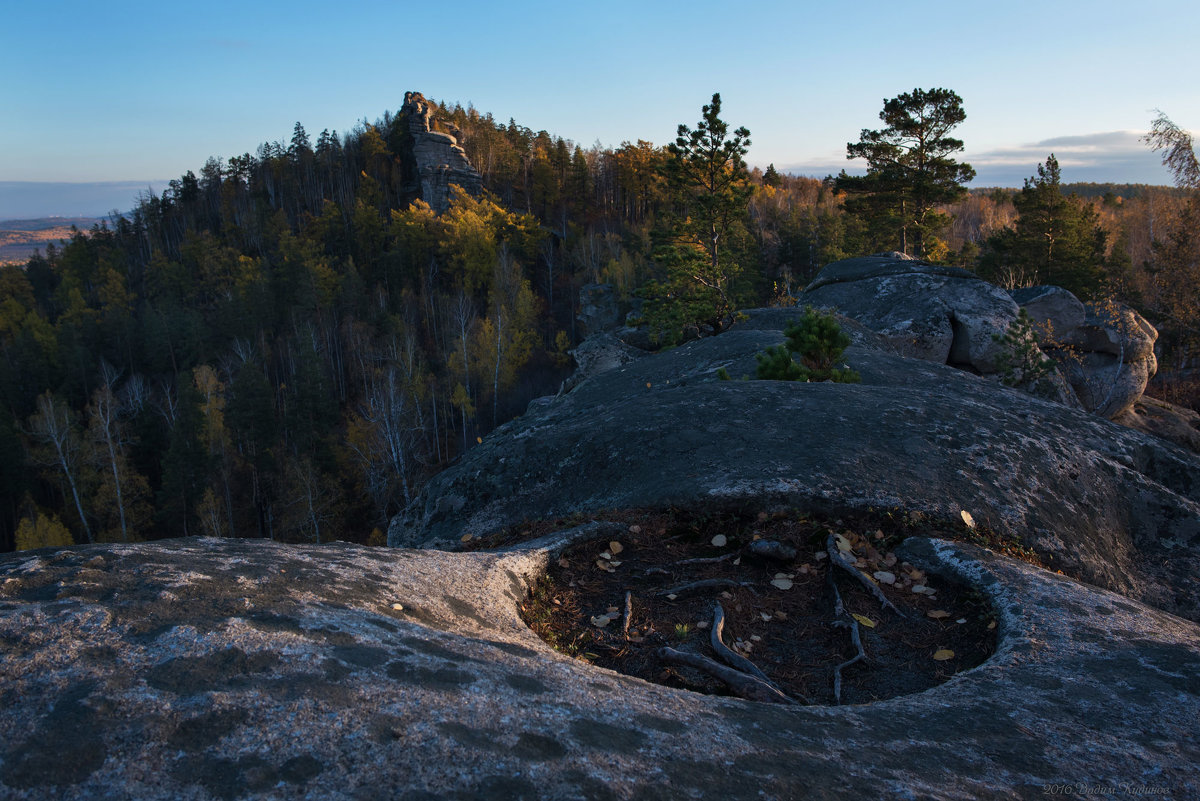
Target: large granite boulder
{"points": [[1105, 350], [219, 669], [1109, 505], [938, 314]]}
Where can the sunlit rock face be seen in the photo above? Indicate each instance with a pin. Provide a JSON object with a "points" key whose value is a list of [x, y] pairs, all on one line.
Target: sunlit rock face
{"points": [[439, 160]]}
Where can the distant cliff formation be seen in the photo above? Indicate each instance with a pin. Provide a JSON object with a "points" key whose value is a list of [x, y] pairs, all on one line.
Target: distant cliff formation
{"points": [[438, 160]]}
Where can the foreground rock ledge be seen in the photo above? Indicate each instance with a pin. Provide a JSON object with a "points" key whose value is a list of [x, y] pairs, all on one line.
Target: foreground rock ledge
{"points": [[223, 669]]}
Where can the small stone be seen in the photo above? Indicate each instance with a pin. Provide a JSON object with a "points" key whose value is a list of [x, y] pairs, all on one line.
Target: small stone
{"points": [[885, 577]]}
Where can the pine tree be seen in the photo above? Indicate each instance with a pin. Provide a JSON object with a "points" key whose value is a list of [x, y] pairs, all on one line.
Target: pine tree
{"points": [[711, 190], [909, 168], [1057, 239]]}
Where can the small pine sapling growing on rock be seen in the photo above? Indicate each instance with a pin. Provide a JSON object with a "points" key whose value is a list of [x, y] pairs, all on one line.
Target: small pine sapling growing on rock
{"points": [[1021, 363], [777, 365], [819, 342]]}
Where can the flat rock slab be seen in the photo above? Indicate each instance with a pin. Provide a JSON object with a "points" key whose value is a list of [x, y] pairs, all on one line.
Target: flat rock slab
{"points": [[214, 669], [1115, 507]]}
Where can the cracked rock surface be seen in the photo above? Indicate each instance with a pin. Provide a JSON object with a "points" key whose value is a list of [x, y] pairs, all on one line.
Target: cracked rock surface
{"points": [[222, 669]]}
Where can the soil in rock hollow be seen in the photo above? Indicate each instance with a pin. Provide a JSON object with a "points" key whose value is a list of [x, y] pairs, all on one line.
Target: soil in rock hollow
{"points": [[770, 574]]}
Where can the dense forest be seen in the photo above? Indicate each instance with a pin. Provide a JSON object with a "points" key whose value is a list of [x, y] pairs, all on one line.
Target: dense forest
{"points": [[288, 343]]}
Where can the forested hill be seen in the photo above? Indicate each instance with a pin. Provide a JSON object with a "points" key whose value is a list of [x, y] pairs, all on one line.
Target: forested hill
{"points": [[286, 343]]}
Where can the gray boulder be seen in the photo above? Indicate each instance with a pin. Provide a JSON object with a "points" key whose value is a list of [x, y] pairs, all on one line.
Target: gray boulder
{"points": [[938, 314], [1108, 505], [223, 669], [1106, 351], [598, 354], [1054, 310]]}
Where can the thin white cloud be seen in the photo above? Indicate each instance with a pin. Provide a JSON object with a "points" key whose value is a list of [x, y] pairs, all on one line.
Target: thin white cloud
{"points": [[1103, 157], [1106, 156]]}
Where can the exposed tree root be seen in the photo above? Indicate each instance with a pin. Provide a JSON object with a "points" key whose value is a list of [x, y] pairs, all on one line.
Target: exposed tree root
{"points": [[742, 685], [733, 658], [728, 655], [855, 638]]}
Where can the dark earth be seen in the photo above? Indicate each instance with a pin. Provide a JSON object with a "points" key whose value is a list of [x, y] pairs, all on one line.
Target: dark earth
{"points": [[779, 612]]}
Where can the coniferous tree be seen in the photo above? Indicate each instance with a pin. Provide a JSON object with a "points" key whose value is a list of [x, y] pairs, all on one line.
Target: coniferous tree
{"points": [[1057, 239], [711, 189], [909, 168]]}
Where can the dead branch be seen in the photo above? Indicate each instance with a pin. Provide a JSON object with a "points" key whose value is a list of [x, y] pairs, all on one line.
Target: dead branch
{"points": [[835, 557], [706, 560], [843, 620], [704, 584], [742, 685], [860, 655], [628, 613]]}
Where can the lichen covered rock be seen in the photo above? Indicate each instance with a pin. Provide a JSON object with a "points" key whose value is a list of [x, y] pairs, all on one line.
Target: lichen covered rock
{"points": [[219, 669]]}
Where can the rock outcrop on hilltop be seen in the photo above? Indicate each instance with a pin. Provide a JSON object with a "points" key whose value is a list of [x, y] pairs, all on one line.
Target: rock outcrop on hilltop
{"points": [[440, 161], [948, 316]]}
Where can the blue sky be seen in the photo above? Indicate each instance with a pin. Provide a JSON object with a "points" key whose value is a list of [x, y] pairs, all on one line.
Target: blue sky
{"points": [[142, 91]]}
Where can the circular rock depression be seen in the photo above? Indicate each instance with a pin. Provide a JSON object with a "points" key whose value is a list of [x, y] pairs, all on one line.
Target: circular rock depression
{"points": [[822, 606]]}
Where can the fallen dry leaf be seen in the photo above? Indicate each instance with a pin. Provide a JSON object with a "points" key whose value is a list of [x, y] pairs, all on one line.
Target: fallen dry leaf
{"points": [[937, 614], [942, 655], [863, 619], [782, 583], [966, 518], [885, 577], [615, 547]]}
